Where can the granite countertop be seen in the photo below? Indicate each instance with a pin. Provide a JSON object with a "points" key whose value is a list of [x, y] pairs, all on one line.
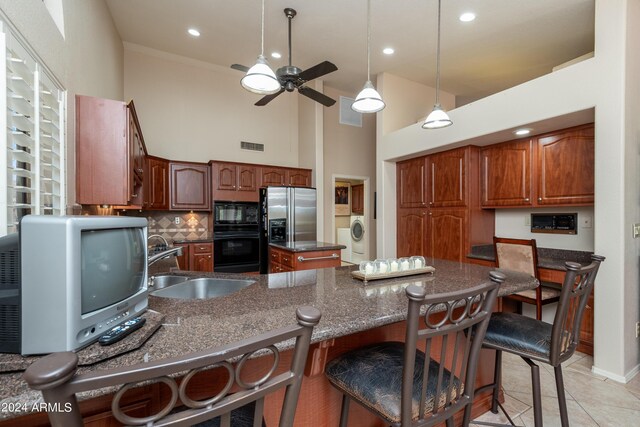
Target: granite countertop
{"points": [[307, 246], [347, 306], [552, 259]]}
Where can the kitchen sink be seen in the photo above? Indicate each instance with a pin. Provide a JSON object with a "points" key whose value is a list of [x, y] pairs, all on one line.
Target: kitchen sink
{"points": [[159, 282], [203, 288]]}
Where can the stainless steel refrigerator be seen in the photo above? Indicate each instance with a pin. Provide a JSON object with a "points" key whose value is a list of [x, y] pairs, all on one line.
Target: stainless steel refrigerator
{"points": [[288, 215]]}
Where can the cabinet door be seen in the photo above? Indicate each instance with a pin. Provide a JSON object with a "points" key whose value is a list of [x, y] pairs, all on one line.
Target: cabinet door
{"points": [[412, 183], [273, 176], [299, 177], [184, 260], [448, 178], [247, 178], [189, 183], [357, 199], [506, 174], [412, 232], [447, 230], [565, 167], [156, 185], [202, 262], [226, 176]]}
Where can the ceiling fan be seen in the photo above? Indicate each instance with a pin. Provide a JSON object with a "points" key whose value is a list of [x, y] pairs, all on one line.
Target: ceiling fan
{"points": [[292, 77]]}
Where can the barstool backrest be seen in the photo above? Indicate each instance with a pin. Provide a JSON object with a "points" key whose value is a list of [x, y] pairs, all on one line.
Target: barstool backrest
{"points": [[455, 336], [517, 255], [577, 286], [55, 375]]}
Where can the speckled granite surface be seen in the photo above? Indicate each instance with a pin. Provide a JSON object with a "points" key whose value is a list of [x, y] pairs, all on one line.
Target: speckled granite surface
{"points": [[550, 258], [347, 307], [307, 246]]}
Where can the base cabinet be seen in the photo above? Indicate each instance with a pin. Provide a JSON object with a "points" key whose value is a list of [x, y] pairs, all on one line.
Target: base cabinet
{"points": [[196, 256], [282, 260]]}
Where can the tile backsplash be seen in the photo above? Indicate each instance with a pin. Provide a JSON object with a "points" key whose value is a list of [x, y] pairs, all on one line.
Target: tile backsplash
{"points": [[191, 225]]}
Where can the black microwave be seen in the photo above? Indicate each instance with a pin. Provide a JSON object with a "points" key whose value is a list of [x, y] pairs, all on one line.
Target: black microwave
{"points": [[235, 213], [565, 223]]}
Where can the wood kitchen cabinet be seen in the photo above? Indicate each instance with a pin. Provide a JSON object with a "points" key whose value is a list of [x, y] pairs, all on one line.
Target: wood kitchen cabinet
{"points": [[197, 256], [235, 181], [554, 169], [412, 232], [506, 174], [357, 199], [190, 186], [447, 183], [298, 177], [412, 181], [156, 188], [281, 260], [447, 234], [272, 176], [110, 153]]}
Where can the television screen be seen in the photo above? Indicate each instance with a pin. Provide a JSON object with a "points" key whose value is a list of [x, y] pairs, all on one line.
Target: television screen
{"points": [[113, 263]]}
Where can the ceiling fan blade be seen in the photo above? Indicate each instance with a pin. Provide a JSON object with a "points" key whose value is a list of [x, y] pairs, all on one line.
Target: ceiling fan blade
{"points": [[266, 99], [316, 71], [239, 67], [316, 96]]}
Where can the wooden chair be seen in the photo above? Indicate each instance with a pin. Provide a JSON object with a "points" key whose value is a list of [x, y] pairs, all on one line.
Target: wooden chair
{"points": [[55, 375], [406, 387], [522, 255], [535, 340]]}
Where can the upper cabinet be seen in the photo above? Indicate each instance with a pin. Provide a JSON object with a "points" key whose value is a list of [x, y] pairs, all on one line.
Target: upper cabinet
{"points": [[412, 183], [273, 176], [110, 153], [554, 169], [156, 187], [190, 186], [298, 177], [447, 178], [357, 199]]}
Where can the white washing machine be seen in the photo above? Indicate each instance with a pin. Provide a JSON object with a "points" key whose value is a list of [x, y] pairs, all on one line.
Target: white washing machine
{"points": [[358, 239]]}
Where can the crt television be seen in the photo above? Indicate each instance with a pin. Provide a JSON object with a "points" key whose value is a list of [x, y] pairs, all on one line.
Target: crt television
{"points": [[65, 281]]}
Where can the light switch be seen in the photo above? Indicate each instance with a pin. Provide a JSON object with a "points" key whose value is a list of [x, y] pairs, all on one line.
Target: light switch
{"points": [[527, 220], [636, 231], [586, 221]]}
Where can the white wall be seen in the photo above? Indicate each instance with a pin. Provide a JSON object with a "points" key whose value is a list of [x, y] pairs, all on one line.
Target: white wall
{"points": [[574, 89], [512, 223], [196, 111]]}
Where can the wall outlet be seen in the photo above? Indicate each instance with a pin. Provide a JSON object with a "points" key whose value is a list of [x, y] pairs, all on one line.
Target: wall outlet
{"points": [[586, 221], [527, 220], [176, 220], [636, 230]]}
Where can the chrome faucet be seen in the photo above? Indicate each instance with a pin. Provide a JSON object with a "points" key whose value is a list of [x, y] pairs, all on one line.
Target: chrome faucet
{"points": [[164, 254], [159, 237]]}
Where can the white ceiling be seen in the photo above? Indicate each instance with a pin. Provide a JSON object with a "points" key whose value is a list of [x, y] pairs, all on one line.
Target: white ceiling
{"points": [[510, 42]]}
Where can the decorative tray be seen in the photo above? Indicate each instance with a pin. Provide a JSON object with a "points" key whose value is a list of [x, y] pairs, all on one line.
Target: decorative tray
{"points": [[378, 276]]}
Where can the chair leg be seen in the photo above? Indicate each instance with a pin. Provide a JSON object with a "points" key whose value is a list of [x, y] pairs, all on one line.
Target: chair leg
{"points": [[449, 422], [497, 376], [537, 399], [539, 311], [562, 401], [344, 412]]}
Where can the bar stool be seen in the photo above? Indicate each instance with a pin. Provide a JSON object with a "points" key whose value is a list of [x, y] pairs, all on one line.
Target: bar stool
{"points": [[522, 255], [536, 340], [406, 387], [55, 375]]}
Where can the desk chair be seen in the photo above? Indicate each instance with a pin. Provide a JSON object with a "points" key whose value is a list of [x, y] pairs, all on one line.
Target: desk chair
{"points": [[55, 375], [522, 255], [536, 340], [406, 387]]}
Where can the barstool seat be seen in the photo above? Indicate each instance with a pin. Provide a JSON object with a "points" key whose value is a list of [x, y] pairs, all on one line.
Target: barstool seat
{"points": [[358, 375], [518, 334]]}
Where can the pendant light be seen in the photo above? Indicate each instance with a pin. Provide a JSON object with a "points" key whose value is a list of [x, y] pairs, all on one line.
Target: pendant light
{"points": [[368, 100], [438, 118], [260, 78]]}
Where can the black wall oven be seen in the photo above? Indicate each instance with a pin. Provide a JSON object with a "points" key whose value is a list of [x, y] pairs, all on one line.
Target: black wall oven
{"points": [[236, 237]]}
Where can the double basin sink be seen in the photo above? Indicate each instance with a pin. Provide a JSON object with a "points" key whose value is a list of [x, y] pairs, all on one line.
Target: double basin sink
{"points": [[181, 287]]}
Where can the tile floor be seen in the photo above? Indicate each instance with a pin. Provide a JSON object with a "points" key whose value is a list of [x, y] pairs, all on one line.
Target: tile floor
{"points": [[592, 400]]}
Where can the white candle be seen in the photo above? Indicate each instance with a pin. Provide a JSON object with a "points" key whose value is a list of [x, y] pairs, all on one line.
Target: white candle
{"points": [[383, 268], [394, 266], [418, 263], [404, 265], [368, 269]]}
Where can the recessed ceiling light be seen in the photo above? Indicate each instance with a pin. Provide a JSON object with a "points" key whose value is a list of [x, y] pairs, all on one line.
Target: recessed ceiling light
{"points": [[276, 55], [388, 51], [467, 17], [522, 132], [193, 32]]}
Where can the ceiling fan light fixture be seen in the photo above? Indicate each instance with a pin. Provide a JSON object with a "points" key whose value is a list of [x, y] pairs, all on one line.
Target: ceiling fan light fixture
{"points": [[438, 118], [368, 100], [260, 78]]}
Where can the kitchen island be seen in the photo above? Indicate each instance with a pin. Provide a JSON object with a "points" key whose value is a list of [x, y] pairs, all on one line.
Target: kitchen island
{"points": [[352, 315], [305, 255]]}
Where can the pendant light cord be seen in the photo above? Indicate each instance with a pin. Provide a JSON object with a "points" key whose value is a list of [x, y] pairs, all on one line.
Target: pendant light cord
{"points": [[262, 36], [438, 59], [368, 40]]}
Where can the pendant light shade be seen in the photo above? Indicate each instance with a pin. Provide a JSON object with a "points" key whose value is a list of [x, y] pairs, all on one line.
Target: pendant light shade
{"points": [[438, 118], [368, 100], [260, 78]]}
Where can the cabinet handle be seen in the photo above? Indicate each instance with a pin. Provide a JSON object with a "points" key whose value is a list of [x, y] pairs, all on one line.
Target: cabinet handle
{"points": [[134, 195], [332, 256], [430, 214], [140, 170], [526, 199], [539, 199]]}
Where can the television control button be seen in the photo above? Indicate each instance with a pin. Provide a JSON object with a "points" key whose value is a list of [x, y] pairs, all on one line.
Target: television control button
{"points": [[120, 331]]}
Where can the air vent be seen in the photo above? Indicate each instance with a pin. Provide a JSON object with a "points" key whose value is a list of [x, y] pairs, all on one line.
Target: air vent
{"points": [[347, 115], [252, 146]]}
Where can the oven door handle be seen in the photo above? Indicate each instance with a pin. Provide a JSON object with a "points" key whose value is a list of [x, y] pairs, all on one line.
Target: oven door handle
{"points": [[236, 236]]}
